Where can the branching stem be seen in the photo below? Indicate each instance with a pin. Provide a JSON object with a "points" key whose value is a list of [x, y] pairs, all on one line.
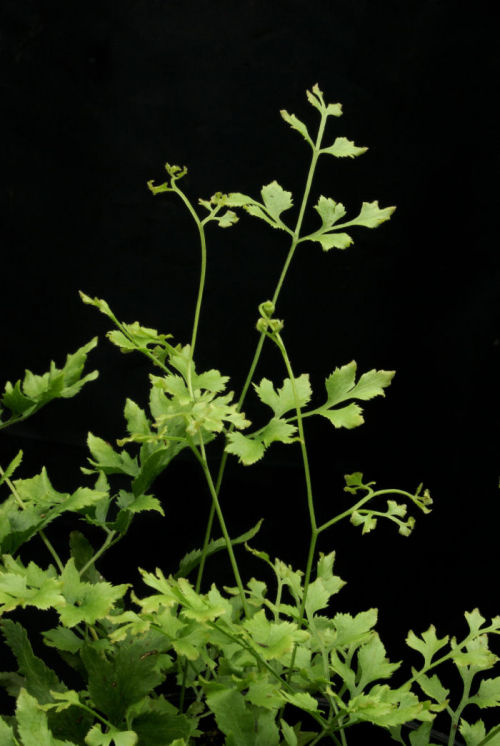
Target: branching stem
{"points": [[277, 291], [202, 458], [201, 286]]}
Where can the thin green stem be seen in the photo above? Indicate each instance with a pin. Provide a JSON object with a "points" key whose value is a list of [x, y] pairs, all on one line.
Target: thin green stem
{"points": [[95, 714], [15, 420], [360, 504], [458, 712], [305, 460], [51, 550], [109, 541], [202, 458], [206, 542], [310, 501], [201, 286]]}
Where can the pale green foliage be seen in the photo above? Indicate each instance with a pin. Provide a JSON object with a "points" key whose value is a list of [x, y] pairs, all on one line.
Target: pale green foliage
{"points": [[74, 600], [367, 517], [340, 387], [34, 504], [370, 216], [213, 205], [260, 657], [96, 737], [24, 398], [275, 200], [33, 725]]}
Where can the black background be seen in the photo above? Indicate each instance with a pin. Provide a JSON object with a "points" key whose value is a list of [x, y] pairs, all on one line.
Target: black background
{"points": [[96, 96]]}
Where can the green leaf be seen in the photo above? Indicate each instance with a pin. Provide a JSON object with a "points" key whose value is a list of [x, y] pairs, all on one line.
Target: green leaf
{"points": [[324, 586], [297, 125], [63, 639], [332, 240], [354, 483], [474, 620], [276, 200], [267, 730], [251, 448], [40, 680], [227, 219], [86, 602], [475, 734], [348, 417], [64, 700], [213, 205], [366, 519], [371, 215], [429, 645], [6, 734], [388, 707], [102, 305], [33, 725], [180, 413], [9, 471], [344, 671], [290, 577], [125, 675], [26, 397], [315, 97], [82, 552], [476, 655], [274, 639], [278, 430], [236, 199], [288, 734], [302, 700], [106, 459], [488, 694], [373, 663], [170, 592], [329, 211], [264, 693], [133, 336], [283, 400], [354, 630], [28, 586], [421, 736], [96, 737], [137, 422], [154, 460], [210, 380], [233, 715], [432, 687], [14, 399], [340, 385], [130, 503], [192, 560], [157, 722], [35, 505], [344, 148], [144, 338]]}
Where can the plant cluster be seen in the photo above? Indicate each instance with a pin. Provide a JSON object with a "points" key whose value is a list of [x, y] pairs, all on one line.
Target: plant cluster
{"points": [[176, 659]]}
